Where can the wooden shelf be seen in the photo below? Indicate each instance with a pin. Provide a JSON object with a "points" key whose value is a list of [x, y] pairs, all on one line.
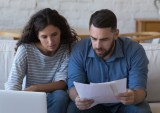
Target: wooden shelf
{"points": [[149, 25]]}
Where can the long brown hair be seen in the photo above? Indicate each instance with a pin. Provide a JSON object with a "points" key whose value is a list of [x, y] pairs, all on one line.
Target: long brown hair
{"points": [[40, 20]]}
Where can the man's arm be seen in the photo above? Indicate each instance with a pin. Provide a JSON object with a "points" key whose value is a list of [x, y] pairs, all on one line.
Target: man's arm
{"points": [[132, 96], [140, 95], [137, 77], [73, 94]]}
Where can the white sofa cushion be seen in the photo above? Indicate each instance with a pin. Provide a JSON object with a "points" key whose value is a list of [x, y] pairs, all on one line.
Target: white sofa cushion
{"points": [[155, 107], [152, 51], [153, 54], [6, 58]]}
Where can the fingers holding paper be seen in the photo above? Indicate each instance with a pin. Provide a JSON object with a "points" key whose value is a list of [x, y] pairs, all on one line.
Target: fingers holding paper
{"points": [[83, 104], [126, 98]]}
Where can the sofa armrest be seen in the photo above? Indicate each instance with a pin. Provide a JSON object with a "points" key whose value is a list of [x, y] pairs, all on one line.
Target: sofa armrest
{"points": [[155, 107], [6, 58]]}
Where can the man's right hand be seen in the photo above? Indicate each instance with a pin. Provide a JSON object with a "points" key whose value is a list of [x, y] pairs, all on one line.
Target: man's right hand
{"points": [[83, 104]]}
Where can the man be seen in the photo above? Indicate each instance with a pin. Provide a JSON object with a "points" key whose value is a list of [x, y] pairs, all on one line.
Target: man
{"points": [[106, 57]]}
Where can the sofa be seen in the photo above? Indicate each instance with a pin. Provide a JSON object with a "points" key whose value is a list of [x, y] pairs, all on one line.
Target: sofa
{"points": [[6, 58], [153, 91], [152, 51]]}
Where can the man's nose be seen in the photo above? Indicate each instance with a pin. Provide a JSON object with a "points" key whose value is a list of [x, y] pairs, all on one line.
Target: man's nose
{"points": [[98, 44]]}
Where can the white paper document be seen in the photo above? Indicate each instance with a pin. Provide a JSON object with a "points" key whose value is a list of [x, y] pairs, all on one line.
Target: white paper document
{"points": [[101, 92]]}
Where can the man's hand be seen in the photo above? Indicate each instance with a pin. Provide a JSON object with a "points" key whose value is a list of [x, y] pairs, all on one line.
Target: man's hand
{"points": [[83, 104], [132, 96], [127, 98]]}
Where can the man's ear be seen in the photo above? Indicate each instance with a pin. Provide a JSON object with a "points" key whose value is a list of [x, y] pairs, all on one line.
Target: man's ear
{"points": [[116, 33]]}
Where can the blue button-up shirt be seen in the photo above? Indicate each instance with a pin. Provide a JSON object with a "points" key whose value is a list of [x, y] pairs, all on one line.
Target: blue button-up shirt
{"points": [[127, 61]]}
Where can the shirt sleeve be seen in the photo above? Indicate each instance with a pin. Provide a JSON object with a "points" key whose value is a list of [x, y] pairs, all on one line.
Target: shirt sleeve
{"points": [[137, 78], [18, 70], [76, 71]]}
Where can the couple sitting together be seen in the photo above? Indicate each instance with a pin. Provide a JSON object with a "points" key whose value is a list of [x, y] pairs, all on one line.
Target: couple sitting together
{"points": [[51, 58]]}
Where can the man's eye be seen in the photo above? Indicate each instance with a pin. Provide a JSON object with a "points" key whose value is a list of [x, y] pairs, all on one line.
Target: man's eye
{"points": [[105, 39], [93, 38]]}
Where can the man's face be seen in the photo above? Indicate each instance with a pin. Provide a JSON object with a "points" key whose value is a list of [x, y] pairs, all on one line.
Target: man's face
{"points": [[102, 40]]}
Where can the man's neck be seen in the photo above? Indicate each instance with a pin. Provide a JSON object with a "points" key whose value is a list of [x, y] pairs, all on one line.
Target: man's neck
{"points": [[110, 54]]}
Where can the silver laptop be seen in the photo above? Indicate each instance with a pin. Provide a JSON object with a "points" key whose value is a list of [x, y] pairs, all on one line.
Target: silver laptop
{"points": [[22, 102]]}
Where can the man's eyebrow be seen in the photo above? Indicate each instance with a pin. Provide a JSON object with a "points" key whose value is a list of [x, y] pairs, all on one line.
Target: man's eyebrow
{"points": [[91, 36], [100, 39]]}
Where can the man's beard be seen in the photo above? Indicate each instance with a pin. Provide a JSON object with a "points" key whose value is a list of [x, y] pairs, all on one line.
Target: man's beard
{"points": [[107, 52]]}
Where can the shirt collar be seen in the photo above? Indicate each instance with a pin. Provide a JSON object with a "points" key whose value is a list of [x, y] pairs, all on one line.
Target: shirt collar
{"points": [[91, 51]]}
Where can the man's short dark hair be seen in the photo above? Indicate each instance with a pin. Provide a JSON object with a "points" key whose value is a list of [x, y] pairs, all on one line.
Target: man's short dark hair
{"points": [[103, 18]]}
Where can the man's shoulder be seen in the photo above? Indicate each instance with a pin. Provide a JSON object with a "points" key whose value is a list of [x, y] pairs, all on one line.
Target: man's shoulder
{"points": [[128, 43], [129, 46]]}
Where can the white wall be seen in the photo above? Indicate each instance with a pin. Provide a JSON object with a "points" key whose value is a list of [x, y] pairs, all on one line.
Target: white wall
{"points": [[15, 13]]}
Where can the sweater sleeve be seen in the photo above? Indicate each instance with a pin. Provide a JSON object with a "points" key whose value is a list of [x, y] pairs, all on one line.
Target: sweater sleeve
{"points": [[62, 69], [18, 70]]}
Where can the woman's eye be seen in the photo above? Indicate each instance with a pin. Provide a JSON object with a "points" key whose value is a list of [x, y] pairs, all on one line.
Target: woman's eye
{"points": [[54, 34]]}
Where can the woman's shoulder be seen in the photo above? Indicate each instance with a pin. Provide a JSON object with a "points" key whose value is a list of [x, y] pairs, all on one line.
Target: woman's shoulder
{"points": [[26, 46], [23, 48]]}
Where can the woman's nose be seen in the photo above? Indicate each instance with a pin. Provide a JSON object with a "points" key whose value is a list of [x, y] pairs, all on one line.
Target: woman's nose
{"points": [[50, 40]]}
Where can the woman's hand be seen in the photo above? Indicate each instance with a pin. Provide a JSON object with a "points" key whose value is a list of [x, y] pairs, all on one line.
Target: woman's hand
{"points": [[33, 88]]}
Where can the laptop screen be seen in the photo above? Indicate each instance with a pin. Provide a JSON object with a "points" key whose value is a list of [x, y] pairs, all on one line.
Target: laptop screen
{"points": [[22, 102]]}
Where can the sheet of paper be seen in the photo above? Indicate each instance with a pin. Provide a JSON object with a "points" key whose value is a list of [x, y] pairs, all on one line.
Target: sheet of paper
{"points": [[101, 92]]}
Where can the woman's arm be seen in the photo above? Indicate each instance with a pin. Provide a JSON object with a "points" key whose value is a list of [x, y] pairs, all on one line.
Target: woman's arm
{"points": [[59, 78], [18, 70], [47, 87]]}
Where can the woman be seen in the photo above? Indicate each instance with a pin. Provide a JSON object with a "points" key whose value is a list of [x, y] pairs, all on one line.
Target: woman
{"points": [[42, 57]]}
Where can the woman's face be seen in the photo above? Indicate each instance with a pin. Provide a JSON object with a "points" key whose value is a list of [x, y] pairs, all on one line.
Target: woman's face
{"points": [[49, 39]]}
